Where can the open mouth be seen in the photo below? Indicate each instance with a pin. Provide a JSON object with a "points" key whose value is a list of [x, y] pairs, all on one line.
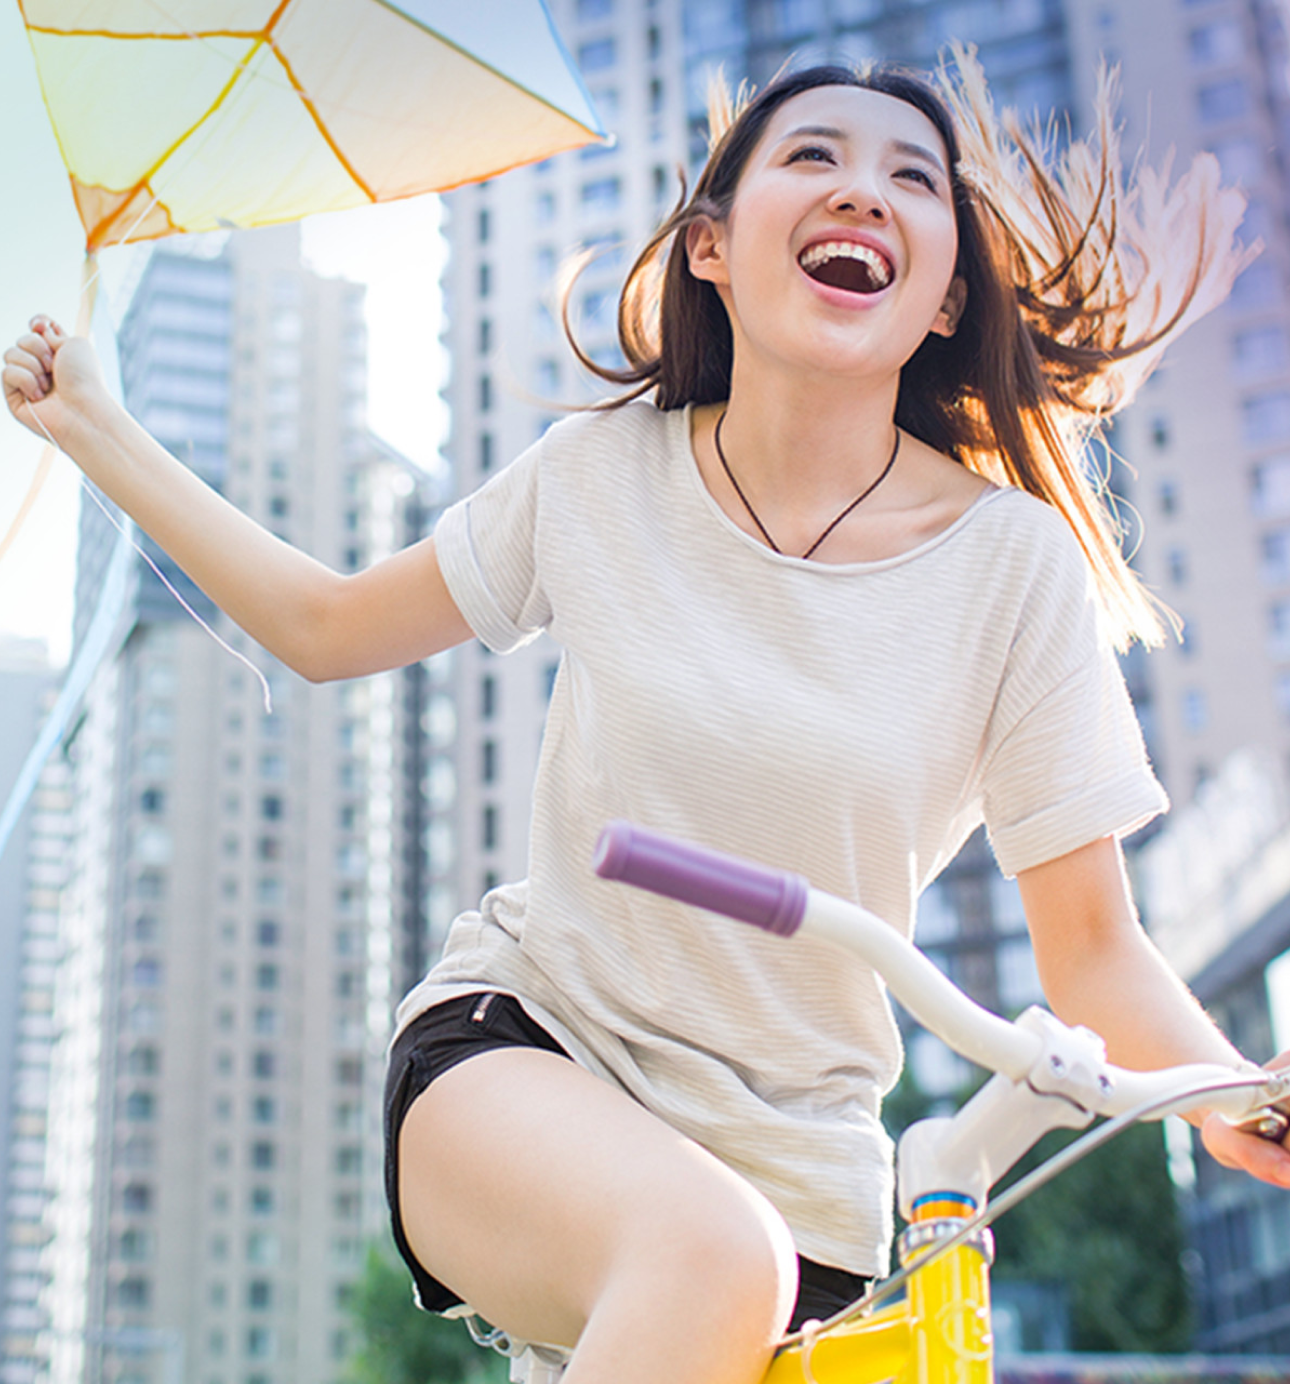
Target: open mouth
{"points": [[846, 265]]}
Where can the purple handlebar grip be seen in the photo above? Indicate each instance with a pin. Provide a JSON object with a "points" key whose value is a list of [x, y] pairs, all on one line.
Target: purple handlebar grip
{"points": [[771, 899]]}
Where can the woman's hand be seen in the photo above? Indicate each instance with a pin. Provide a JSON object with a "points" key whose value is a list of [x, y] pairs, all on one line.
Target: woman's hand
{"points": [[1259, 1157], [1099, 968], [58, 374]]}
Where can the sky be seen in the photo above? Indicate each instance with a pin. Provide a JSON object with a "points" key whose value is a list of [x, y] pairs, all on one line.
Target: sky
{"points": [[396, 250]]}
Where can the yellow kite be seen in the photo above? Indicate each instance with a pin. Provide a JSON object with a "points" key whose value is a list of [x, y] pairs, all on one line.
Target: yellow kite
{"points": [[191, 115]]}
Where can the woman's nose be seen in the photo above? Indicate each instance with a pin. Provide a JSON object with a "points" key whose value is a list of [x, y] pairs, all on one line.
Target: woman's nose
{"points": [[861, 199]]}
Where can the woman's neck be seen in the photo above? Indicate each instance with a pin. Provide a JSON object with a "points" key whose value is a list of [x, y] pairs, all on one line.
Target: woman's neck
{"points": [[804, 446]]}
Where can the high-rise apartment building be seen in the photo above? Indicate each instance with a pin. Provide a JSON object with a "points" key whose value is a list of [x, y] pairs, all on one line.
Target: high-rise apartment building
{"points": [[31, 873], [1210, 436], [512, 370], [248, 881]]}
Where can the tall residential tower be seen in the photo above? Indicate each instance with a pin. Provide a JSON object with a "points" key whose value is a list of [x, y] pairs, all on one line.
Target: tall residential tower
{"points": [[246, 900]]}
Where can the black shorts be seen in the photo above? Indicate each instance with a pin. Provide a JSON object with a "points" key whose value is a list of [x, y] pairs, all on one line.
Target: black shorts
{"points": [[459, 1028]]}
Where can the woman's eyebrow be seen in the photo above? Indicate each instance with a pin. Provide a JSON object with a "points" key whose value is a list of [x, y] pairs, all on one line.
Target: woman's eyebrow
{"points": [[918, 151], [819, 131]]}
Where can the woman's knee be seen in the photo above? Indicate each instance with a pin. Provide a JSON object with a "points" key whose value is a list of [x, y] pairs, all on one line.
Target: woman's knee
{"points": [[725, 1251]]}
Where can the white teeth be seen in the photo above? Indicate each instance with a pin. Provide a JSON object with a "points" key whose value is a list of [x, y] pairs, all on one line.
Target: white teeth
{"points": [[816, 255]]}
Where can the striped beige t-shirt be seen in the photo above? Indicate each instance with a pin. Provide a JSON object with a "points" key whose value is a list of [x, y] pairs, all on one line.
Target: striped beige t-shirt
{"points": [[851, 722]]}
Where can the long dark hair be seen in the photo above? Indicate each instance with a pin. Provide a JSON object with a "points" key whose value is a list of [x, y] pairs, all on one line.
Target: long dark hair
{"points": [[1068, 306]]}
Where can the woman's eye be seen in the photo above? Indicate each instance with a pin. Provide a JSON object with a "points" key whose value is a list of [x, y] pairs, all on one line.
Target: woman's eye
{"points": [[812, 153], [918, 175]]}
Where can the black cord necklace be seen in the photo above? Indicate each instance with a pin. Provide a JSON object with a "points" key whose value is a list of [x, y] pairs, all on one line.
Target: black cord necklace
{"points": [[863, 495]]}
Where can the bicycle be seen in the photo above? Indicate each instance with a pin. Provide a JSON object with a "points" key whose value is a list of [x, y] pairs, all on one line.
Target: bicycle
{"points": [[929, 1323]]}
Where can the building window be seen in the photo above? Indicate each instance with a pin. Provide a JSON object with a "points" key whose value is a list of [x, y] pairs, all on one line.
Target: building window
{"points": [[152, 800], [1275, 552], [544, 208], [140, 1106], [549, 674], [136, 1197], [1260, 350], [264, 1155], [486, 451], [264, 1110], [268, 933], [485, 280], [1195, 709], [263, 1064], [594, 9], [1266, 417], [1270, 487], [548, 377], [134, 1246], [1176, 561], [485, 393], [271, 808], [135, 1293], [1169, 497], [259, 1343], [1223, 101], [488, 697], [1279, 629], [485, 335], [262, 1201], [489, 832], [1219, 42], [483, 226], [488, 761], [146, 973], [601, 194], [1160, 432], [144, 1060], [597, 55]]}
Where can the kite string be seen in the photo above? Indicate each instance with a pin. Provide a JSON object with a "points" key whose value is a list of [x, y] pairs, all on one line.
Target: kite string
{"points": [[165, 580]]}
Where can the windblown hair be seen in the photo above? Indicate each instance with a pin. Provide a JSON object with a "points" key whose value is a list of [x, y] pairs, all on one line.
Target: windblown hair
{"points": [[1075, 285]]}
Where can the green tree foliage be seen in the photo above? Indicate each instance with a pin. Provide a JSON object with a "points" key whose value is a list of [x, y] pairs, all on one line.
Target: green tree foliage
{"points": [[1106, 1230], [400, 1344]]}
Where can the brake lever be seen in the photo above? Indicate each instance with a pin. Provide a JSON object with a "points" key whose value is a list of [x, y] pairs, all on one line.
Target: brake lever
{"points": [[1271, 1123]]}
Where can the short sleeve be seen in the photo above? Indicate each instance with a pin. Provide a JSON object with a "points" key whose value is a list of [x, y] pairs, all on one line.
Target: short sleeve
{"points": [[487, 550], [1065, 760]]}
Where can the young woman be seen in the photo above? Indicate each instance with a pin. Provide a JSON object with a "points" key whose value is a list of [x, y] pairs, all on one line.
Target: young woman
{"points": [[841, 592]]}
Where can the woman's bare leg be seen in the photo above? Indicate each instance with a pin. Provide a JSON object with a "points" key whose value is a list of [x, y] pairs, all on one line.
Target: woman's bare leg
{"points": [[564, 1212]]}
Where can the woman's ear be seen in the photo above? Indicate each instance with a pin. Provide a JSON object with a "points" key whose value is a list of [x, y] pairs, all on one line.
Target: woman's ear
{"points": [[947, 319], [705, 244]]}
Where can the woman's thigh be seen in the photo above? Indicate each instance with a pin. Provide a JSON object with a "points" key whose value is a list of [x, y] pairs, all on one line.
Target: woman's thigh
{"points": [[544, 1196]]}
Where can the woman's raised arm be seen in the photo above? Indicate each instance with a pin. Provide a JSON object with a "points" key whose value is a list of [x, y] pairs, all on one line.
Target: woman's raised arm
{"points": [[321, 623]]}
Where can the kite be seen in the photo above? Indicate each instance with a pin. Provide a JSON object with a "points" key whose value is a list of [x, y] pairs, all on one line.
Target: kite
{"points": [[177, 116], [191, 115]]}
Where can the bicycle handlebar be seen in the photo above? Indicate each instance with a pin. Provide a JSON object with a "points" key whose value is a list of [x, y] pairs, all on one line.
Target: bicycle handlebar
{"points": [[783, 903], [768, 898]]}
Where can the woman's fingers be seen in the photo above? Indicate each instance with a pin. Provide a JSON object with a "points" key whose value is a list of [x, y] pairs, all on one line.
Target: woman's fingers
{"points": [[26, 374], [1259, 1157]]}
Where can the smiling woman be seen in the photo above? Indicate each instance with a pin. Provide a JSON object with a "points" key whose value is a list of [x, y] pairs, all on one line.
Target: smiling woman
{"points": [[1063, 290], [833, 598]]}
